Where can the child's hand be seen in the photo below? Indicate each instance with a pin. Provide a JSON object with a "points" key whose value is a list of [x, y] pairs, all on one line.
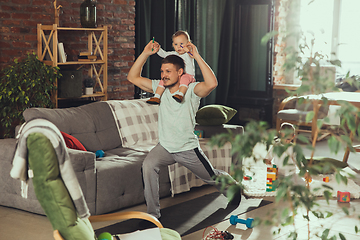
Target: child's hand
{"points": [[187, 50], [191, 49]]}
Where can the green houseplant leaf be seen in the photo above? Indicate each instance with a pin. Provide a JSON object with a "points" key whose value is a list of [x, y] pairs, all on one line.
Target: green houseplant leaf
{"points": [[23, 84]]}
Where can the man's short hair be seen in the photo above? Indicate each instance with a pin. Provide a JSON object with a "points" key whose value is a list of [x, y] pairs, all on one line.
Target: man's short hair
{"points": [[176, 60], [181, 32]]}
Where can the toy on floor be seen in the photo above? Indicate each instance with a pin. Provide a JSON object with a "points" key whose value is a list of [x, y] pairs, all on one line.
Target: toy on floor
{"points": [[271, 177], [248, 222], [326, 179], [105, 236], [343, 197], [247, 177], [216, 234]]}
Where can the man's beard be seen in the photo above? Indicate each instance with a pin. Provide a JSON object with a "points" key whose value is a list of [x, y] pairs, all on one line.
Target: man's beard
{"points": [[169, 86]]}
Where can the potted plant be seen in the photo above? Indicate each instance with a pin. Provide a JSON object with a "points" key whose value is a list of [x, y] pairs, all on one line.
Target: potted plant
{"points": [[23, 84], [89, 85]]}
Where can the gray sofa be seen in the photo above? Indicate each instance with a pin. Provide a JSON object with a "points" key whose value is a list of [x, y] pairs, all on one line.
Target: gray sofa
{"points": [[109, 183]]}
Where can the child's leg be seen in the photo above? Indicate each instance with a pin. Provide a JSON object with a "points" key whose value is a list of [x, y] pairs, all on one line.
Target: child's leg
{"points": [[159, 91], [185, 80]]}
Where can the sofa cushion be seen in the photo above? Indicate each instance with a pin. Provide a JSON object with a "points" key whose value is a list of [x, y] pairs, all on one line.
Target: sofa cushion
{"points": [[137, 122], [72, 142], [210, 131], [92, 124], [214, 114]]}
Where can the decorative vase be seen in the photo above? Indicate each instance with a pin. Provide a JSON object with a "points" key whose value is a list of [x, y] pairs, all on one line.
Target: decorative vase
{"points": [[89, 83], [89, 90], [88, 14]]}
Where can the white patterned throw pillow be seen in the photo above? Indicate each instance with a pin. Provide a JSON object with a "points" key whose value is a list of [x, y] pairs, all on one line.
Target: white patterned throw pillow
{"points": [[137, 123]]}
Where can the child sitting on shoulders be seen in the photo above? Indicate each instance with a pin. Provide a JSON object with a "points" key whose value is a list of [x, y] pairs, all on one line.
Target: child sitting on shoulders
{"points": [[180, 40]]}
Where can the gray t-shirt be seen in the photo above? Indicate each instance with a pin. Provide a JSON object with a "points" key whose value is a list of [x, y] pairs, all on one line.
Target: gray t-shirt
{"points": [[177, 120]]}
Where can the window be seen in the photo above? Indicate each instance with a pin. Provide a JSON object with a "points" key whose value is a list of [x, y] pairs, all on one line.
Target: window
{"points": [[335, 26]]}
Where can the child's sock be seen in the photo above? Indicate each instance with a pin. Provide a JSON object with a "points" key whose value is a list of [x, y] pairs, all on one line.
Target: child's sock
{"points": [[157, 95], [180, 93]]}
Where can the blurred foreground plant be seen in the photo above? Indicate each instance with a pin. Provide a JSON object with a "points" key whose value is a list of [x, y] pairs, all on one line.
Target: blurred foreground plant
{"points": [[297, 197]]}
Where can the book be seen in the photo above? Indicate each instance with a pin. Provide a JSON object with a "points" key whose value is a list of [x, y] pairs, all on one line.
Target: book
{"points": [[85, 53], [62, 55], [84, 58]]}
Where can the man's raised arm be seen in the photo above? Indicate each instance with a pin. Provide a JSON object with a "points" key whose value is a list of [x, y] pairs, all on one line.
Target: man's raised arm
{"points": [[134, 75], [204, 88]]}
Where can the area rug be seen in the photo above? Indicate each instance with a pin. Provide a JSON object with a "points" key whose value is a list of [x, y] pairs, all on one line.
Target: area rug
{"points": [[191, 216]]}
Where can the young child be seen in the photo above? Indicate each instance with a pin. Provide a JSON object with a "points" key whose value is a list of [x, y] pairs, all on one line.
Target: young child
{"points": [[180, 40], [287, 135]]}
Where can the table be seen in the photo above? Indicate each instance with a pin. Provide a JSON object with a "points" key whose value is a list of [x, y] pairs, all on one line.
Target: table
{"points": [[351, 97]]}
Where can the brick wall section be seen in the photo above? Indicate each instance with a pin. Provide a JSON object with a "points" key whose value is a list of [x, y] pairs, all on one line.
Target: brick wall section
{"points": [[18, 20], [18, 35]]}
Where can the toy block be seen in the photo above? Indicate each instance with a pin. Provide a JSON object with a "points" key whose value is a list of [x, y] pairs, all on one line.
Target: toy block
{"points": [[199, 133], [343, 197], [271, 177], [272, 169]]}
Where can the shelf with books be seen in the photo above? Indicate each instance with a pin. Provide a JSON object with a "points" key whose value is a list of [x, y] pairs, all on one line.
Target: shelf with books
{"points": [[94, 57]]}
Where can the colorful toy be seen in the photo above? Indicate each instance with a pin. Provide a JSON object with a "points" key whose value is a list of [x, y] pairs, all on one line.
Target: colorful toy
{"points": [[199, 133], [216, 234], [271, 177], [248, 222], [105, 236], [326, 179], [343, 197], [247, 177], [100, 153]]}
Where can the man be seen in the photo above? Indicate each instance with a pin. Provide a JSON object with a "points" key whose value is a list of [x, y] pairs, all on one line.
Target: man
{"points": [[177, 141]]}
